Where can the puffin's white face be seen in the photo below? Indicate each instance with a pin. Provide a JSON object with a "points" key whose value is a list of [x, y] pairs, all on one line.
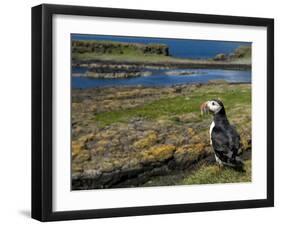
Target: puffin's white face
{"points": [[211, 106]]}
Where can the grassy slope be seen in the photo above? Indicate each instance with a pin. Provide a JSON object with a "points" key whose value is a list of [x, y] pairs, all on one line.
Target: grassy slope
{"points": [[132, 58], [205, 174], [126, 57], [243, 55], [129, 54], [237, 101], [213, 174], [118, 51], [171, 107]]}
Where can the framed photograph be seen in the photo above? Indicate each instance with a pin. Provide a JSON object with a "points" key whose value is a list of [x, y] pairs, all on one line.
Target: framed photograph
{"points": [[145, 112]]}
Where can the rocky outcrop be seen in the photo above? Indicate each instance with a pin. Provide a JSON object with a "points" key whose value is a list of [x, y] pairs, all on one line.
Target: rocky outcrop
{"points": [[115, 71], [119, 48], [220, 57], [242, 52], [130, 152], [182, 72], [165, 64]]}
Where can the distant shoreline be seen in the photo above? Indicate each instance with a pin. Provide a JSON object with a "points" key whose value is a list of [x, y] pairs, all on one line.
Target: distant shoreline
{"points": [[135, 55], [111, 60], [199, 84], [167, 64]]}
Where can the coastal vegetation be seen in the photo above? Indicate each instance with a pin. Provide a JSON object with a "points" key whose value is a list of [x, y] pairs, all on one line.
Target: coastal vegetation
{"points": [[242, 54], [137, 135], [145, 136], [118, 48], [135, 58], [182, 72]]}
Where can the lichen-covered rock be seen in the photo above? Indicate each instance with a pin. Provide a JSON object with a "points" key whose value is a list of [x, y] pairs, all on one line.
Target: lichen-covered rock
{"points": [[158, 153], [132, 150], [191, 132], [83, 156], [187, 154], [149, 140], [102, 47], [77, 147], [186, 118], [220, 57]]}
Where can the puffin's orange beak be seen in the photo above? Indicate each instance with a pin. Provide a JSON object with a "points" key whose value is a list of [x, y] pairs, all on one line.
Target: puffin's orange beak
{"points": [[204, 108]]}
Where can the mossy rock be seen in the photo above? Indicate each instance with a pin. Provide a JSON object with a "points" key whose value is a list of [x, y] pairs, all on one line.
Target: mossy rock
{"points": [[186, 118], [77, 147], [148, 141], [76, 168], [175, 139], [246, 143], [158, 153], [101, 146], [83, 156], [189, 153], [195, 139], [195, 151], [191, 132], [101, 165], [108, 166], [86, 138], [91, 173]]}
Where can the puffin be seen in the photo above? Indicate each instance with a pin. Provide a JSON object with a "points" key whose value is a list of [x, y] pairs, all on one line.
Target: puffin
{"points": [[224, 138]]}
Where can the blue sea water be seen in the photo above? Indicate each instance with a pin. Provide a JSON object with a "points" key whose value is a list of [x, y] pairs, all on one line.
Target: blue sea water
{"points": [[159, 78], [181, 48]]}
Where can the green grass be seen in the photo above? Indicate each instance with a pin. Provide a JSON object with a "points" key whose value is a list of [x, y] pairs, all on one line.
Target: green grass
{"points": [[171, 107], [147, 58], [125, 57], [237, 101], [113, 47], [118, 51], [204, 174], [134, 52], [213, 174]]}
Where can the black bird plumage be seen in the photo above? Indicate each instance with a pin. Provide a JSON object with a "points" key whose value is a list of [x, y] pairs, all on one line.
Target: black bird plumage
{"points": [[224, 137]]}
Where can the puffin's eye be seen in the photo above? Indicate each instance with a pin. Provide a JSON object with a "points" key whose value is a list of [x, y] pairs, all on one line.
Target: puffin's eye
{"points": [[213, 103]]}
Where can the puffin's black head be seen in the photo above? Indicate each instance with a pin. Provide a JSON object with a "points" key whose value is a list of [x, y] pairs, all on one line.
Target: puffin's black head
{"points": [[214, 106]]}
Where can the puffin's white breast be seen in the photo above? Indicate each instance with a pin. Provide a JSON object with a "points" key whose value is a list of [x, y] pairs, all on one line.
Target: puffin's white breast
{"points": [[211, 129]]}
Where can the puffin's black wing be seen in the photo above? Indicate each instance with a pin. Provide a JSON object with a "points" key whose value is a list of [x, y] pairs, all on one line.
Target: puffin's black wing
{"points": [[226, 144]]}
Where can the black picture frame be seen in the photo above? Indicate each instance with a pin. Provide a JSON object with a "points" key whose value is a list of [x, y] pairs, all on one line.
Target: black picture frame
{"points": [[42, 106]]}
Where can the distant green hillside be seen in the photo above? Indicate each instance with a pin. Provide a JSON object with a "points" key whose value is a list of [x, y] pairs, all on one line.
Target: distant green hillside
{"points": [[86, 52], [243, 54], [118, 48]]}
